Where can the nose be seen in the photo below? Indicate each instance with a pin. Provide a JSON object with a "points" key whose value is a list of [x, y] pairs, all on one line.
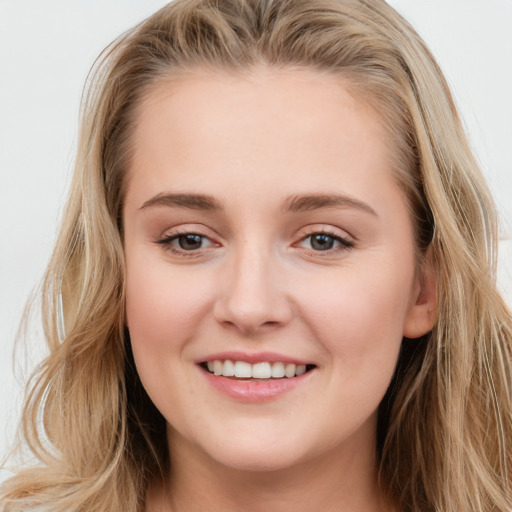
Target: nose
{"points": [[252, 297]]}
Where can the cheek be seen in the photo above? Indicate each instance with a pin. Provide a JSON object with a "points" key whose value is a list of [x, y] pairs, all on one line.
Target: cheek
{"points": [[358, 316], [359, 300], [163, 306], [164, 310]]}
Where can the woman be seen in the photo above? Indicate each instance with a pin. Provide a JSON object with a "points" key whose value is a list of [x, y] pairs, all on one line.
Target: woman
{"points": [[274, 285]]}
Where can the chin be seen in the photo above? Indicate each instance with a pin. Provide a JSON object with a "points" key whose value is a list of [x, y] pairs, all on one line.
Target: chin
{"points": [[256, 460], [253, 452]]}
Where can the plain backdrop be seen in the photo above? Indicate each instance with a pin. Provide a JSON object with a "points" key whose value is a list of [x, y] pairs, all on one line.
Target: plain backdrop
{"points": [[46, 50]]}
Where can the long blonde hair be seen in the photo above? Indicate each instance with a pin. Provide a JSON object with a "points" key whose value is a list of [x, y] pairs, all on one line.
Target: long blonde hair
{"points": [[445, 425]]}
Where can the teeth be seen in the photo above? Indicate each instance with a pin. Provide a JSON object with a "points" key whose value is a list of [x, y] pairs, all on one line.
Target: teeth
{"points": [[218, 367], [243, 369], [263, 370], [229, 369], [277, 370], [301, 368], [289, 370]]}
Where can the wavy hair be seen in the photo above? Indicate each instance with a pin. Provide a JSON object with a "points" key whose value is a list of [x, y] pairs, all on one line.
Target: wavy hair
{"points": [[445, 425]]}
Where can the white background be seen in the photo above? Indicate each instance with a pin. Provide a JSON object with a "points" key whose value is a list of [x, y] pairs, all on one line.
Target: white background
{"points": [[46, 50]]}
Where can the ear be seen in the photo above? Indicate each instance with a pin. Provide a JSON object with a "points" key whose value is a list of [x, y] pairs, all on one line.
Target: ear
{"points": [[422, 313]]}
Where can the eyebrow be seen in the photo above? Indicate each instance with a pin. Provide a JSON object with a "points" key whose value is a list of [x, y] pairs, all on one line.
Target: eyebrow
{"points": [[304, 203], [296, 203], [192, 201]]}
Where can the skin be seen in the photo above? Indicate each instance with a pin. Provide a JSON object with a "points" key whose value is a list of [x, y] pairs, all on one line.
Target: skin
{"points": [[258, 283]]}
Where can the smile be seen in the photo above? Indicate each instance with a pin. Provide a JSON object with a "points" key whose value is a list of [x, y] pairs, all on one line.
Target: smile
{"points": [[255, 378], [260, 370]]}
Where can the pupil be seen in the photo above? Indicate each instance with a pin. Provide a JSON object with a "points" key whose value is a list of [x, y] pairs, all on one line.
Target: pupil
{"points": [[322, 242], [190, 242]]}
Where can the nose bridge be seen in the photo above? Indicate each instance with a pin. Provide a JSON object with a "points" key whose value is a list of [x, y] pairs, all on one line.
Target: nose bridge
{"points": [[253, 298], [252, 274]]}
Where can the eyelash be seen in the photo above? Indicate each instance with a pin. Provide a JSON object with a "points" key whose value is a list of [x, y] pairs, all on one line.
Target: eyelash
{"points": [[166, 243], [345, 243]]}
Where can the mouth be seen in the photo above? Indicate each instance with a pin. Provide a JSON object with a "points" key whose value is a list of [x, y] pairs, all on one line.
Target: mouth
{"points": [[260, 371]]}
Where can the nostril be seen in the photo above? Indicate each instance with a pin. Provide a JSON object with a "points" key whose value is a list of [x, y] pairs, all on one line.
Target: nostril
{"points": [[251, 328], [269, 325]]}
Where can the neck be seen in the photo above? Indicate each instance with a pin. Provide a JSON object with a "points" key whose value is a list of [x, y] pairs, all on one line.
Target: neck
{"points": [[342, 480]]}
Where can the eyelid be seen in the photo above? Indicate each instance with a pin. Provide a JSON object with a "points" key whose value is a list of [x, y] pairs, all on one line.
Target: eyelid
{"points": [[177, 236], [170, 235], [327, 229], [192, 228], [166, 239], [344, 239]]}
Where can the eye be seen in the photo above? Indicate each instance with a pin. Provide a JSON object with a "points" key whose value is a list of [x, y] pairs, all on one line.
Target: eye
{"points": [[190, 241], [185, 242], [323, 242]]}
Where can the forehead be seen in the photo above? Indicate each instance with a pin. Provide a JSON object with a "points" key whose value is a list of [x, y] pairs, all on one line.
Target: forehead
{"points": [[296, 118], [257, 93]]}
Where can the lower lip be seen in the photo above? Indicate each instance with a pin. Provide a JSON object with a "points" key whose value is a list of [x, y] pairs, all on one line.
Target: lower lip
{"points": [[254, 391]]}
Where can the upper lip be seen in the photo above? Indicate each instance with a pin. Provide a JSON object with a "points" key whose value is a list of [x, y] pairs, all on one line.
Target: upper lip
{"points": [[253, 358]]}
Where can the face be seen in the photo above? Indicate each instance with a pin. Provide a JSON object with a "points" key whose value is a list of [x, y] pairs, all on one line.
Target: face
{"points": [[267, 241]]}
